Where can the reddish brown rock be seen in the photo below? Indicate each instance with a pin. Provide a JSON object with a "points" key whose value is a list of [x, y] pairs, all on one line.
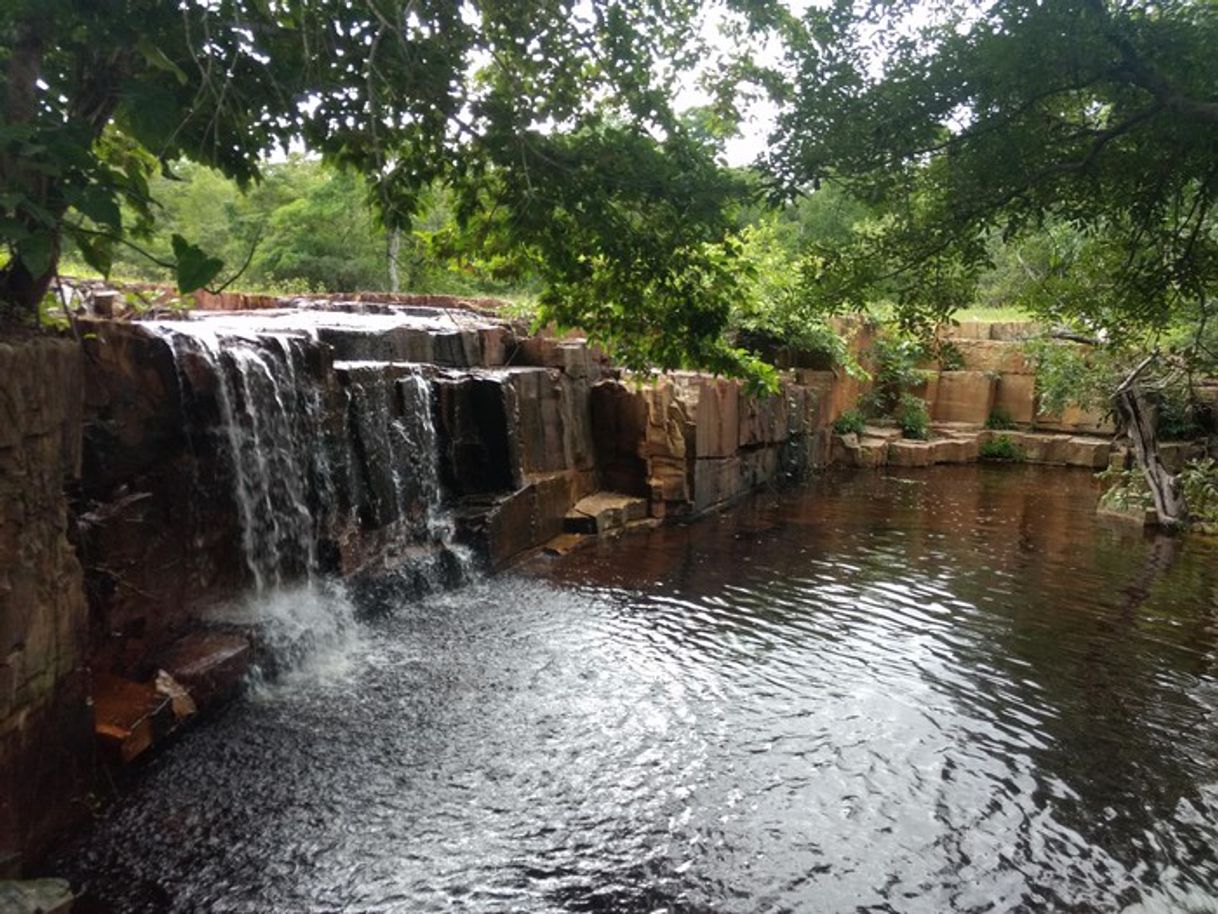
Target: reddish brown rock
{"points": [[1016, 397], [211, 665], [865, 452], [906, 453], [957, 448], [713, 405], [129, 717], [509, 526], [717, 480], [603, 511], [993, 356], [43, 710], [1074, 419], [764, 420]]}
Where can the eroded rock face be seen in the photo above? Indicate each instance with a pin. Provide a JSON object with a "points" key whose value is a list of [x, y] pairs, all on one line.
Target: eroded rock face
{"points": [[45, 730], [238, 451], [690, 442]]}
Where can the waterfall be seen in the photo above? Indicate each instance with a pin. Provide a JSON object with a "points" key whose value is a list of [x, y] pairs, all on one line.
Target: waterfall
{"points": [[345, 454], [271, 431], [395, 462]]}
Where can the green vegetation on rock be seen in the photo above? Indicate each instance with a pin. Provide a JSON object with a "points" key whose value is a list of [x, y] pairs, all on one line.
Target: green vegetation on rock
{"points": [[1001, 447], [851, 422]]}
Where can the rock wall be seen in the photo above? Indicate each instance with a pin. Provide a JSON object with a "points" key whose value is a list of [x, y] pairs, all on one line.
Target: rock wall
{"points": [[357, 438], [45, 725], [997, 377], [689, 443]]}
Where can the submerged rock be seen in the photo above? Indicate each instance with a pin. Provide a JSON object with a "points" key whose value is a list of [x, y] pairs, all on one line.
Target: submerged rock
{"points": [[35, 896]]}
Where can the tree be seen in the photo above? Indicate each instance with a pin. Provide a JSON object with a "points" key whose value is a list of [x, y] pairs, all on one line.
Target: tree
{"points": [[974, 122], [531, 107]]}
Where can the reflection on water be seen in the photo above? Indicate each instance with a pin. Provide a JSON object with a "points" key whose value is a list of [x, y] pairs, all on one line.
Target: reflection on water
{"points": [[948, 691]]}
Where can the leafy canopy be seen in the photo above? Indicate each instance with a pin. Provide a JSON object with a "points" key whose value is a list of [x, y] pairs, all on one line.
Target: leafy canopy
{"points": [[550, 120], [968, 124]]}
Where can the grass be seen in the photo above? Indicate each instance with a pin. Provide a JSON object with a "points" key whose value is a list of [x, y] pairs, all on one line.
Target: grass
{"points": [[883, 311], [985, 313]]}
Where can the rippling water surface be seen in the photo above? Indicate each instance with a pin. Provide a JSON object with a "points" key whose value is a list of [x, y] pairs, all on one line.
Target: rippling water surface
{"points": [[945, 691]]}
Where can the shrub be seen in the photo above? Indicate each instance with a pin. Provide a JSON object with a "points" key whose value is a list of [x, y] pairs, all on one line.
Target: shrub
{"points": [[897, 360], [1199, 484], [1067, 374], [999, 419], [913, 417], [850, 422], [1124, 489], [1001, 448], [1177, 417], [950, 357]]}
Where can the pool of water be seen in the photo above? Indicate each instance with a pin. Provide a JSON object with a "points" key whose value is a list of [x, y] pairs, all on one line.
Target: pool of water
{"points": [[946, 690]]}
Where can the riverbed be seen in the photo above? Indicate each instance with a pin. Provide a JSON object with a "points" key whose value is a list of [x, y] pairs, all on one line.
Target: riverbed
{"points": [[931, 691]]}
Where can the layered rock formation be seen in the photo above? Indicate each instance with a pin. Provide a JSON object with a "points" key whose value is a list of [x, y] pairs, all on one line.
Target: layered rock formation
{"points": [[371, 440], [45, 725], [384, 442]]}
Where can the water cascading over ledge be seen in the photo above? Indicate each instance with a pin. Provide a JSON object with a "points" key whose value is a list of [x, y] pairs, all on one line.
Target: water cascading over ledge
{"points": [[313, 457], [238, 453], [234, 456]]}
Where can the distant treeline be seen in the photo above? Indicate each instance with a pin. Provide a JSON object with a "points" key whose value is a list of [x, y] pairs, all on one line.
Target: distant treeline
{"points": [[304, 228]]}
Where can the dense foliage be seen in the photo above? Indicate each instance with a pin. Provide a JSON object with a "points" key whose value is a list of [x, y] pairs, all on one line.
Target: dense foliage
{"points": [[971, 122], [1001, 447], [548, 121], [303, 227], [1065, 149]]}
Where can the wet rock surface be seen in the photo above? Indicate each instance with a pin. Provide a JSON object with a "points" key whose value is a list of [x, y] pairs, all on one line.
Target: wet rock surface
{"points": [[44, 746], [35, 896]]}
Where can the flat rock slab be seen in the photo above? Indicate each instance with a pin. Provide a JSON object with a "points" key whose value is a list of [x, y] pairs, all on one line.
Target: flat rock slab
{"points": [[964, 396], [210, 664], [603, 511], [35, 896], [128, 717], [882, 432], [860, 452], [564, 543]]}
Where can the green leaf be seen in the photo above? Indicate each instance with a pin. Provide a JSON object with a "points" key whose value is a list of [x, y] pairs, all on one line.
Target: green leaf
{"points": [[97, 252], [156, 58], [13, 230], [195, 269], [98, 204], [151, 112], [37, 252]]}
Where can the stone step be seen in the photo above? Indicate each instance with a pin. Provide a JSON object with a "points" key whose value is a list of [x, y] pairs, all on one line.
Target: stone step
{"points": [[128, 717], [603, 511]]}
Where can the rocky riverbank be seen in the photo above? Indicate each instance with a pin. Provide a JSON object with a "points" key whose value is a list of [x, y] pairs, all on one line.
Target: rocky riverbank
{"points": [[157, 471]]}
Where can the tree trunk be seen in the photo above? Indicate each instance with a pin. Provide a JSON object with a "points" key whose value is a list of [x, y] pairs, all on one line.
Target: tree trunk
{"points": [[93, 104], [395, 245], [20, 291], [1138, 420]]}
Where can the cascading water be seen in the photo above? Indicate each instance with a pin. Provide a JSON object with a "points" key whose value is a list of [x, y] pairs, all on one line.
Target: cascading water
{"points": [[338, 455], [268, 434]]}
